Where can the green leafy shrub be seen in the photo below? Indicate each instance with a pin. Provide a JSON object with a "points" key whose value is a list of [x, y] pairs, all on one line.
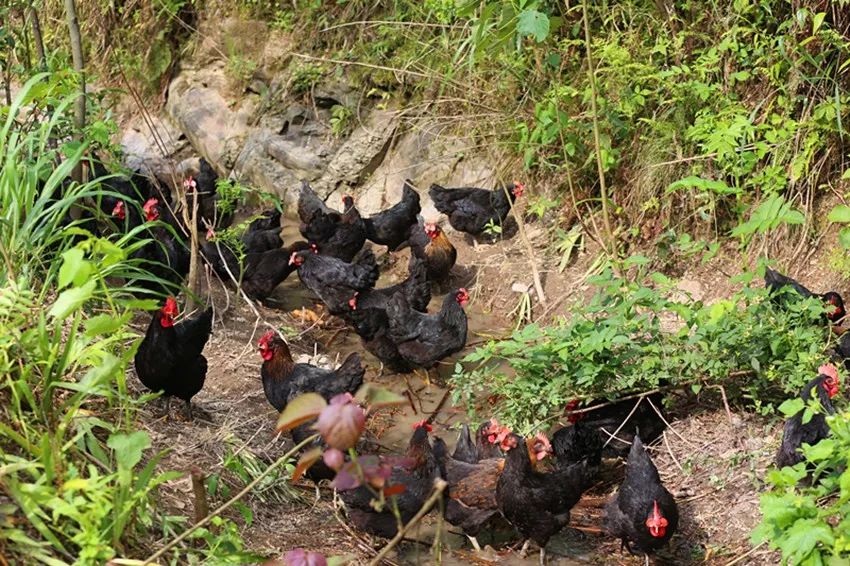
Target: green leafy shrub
{"points": [[809, 521], [631, 337]]}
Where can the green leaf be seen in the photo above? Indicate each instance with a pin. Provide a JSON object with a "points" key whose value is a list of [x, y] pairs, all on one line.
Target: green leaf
{"points": [[791, 407], [70, 300], [378, 397], [129, 447], [75, 269], [844, 238], [300, 410], [803, 537], [533, 23], [106, 324], [840, 213], [820, 451], [817, 21]]}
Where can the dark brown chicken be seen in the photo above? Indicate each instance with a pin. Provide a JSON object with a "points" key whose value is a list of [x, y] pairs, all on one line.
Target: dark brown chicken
{"points": [[169, 359], [391, 227], [825, 386], [416, 477], [425, 339], [537, 504], [471, 210], [642, 513], [333, 280], [471, 500], [284, 380], [429, 243]]}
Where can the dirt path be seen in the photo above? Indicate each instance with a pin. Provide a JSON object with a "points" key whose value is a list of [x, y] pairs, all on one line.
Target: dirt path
{"points": [[710, 460]]}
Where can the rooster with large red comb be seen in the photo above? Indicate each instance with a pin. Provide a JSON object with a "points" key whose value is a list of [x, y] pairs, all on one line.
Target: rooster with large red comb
{"points": [[796, 433], [170, 356]]}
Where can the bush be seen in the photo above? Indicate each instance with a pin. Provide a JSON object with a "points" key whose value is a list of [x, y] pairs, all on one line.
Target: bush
{"points": [[809, 522], [631, 337]]}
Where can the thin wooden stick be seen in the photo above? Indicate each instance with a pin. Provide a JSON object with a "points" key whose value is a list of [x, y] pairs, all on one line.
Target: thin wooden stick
{"points": [[439, 487], [247, 489], [603, 189], [750, 551]]}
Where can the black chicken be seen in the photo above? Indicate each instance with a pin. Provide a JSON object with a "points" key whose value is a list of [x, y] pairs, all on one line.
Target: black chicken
{"points": [[372, 325], [417, 478], [170, 358], [425, 339], [391, 227], [333, 280], [204, 187], [416, 290], [165, 258], [471, 450], [268, 220], [313, 210], [347, 236], [796, 432], [537, 504], [471, 210], [642, 512], [783, 288], [611, 418]]}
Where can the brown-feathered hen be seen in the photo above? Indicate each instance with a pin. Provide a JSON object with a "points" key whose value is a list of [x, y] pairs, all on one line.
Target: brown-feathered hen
{"points": [[471, 210], [170, 358], [471, 496], [429, 243], [391, 227], [825, 386], [283, 379], [416, 476], [642, 514]]}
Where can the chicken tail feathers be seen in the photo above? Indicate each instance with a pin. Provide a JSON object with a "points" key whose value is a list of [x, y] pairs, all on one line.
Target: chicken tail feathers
{"points": [[352, 369]]}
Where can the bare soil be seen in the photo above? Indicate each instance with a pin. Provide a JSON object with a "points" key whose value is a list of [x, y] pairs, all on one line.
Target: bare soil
{"points": [[712, 457]]}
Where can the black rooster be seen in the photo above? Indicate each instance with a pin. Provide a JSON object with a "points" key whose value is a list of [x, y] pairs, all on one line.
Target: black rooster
{"points": [[796, 432], [780, 285], [170, 358], [642, 513]]}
